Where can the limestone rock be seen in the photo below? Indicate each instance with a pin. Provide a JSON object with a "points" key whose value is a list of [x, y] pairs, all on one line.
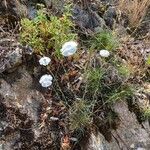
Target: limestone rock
{"points": [[130, 132], [129, 135]]}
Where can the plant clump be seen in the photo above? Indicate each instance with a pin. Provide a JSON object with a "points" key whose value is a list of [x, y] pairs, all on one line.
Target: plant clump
{"points": [[104, 40], [47, 33], [80, 115], [93, 80]]}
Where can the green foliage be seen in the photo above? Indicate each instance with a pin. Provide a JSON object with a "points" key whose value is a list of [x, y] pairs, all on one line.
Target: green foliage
{"points": [[111, 118], [146, 113], [120, 94], [104, 40], [80, 115], [148, 60], [45, 33], [94, 76], [124, 70]]}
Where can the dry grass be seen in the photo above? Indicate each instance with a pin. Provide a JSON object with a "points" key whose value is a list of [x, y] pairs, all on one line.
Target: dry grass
{"points": [[134, 9]]}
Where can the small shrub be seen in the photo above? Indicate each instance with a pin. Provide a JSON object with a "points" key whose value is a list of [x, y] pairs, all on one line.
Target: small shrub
{"points": [[45, 33], [104, 40], [80, 115]]}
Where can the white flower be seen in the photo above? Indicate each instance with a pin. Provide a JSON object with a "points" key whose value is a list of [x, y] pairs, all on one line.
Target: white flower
{"points": [[44, 61], [73, 139], [46, 80], [69, 48], [104, 53], [54, 118]]}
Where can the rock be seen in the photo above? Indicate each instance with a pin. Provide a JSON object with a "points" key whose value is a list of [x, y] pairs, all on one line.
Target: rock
{"points": [[24, 102], [110, 16], [98, 142], [48, 3], [1, 147], [15, 58], [12, 53], [32, 12], [111, 12], [88, 20], [130, 132], [128, 135], [13, 10], [121, 31], [20, 94], [11, 59]]}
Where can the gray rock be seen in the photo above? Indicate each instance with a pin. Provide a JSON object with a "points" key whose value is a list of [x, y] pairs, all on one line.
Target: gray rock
{"points": [[48, 3], [10, 60], [14, 9], [15, 58], [110, 16], [98, 142], [87, 19], [20, 96], [11, 54], [129, 134], [1, 147], [32, 12]]}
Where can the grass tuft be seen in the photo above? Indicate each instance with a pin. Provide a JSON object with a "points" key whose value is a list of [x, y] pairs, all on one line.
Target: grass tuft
{"points": [[80, 115], [121, 93], [94, 76], [104, 40], [135, 10]]}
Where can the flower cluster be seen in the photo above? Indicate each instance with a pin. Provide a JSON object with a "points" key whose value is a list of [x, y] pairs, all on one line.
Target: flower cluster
{"points": [[44, 61], [46, 80], [68, 49]]}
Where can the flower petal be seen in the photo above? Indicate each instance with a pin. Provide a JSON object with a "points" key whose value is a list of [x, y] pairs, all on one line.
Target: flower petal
{"points": [[46, 80], [104, 53], [44, 61], [69, 48]]}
